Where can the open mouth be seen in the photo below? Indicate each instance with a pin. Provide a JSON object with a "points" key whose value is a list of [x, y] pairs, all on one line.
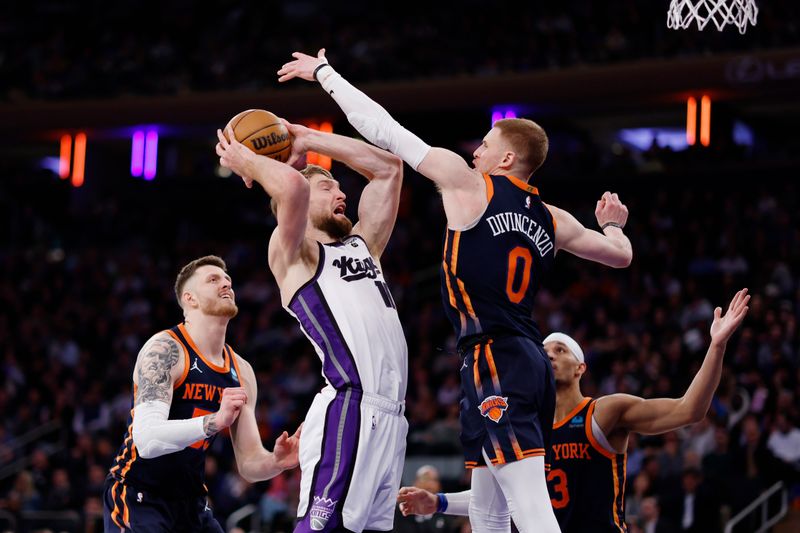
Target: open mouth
{"points": [[227, 296], [339, 210]]}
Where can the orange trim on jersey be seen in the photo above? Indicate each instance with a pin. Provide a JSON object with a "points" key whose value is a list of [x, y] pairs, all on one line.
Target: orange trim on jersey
{"points": [[125, 513], [115, 511], [444, 252], [126, 449], [466, 299], [624, 479], [449, 287], [592, 440], [616, 492], [232, 355], [476, 374], [489, 187], [534, 452], [572, 413], [186, 362], [222, 369], [454, 252], [130, 461], [524, 185], [499, 459], [492, 368], [515, 444]]}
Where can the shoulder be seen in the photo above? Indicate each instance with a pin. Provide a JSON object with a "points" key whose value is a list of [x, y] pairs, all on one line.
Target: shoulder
{"points": [[246, 371], [162, 345]]}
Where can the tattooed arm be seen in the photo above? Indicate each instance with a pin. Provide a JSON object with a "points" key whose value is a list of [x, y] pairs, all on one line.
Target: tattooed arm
{"points": [[159, 365]]}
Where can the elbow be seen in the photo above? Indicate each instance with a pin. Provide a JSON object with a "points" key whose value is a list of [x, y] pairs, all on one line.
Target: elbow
{"points": [[142, 444], [624, 260]]}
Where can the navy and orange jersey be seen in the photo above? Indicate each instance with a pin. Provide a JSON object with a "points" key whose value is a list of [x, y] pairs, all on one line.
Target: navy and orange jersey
{"points": [[586, 482], [492, 271], [198, 392]]}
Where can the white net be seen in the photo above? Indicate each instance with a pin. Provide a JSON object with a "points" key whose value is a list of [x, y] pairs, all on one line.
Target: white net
{"points": [[740, 13]]}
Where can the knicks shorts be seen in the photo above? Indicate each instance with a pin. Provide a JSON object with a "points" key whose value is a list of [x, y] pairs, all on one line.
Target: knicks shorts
{"points": [[508, 400], [351, 459], [126, 508]]}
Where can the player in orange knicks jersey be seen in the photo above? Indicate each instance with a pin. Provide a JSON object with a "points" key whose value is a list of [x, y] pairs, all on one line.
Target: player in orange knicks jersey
{"points": [[590, 436], [499, 246], [188, 386]]}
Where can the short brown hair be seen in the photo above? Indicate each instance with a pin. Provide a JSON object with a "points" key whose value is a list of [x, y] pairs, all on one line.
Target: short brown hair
{"points": [[527, 139], [310, 170], [189, 270]]}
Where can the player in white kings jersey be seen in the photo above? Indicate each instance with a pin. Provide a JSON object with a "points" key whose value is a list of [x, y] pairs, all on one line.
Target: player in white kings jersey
{"points": [[330, 279]]}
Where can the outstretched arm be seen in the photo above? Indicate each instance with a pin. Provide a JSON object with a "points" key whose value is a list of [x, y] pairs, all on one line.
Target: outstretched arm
{"points": [[659, 415], [159, 365], [417, 501], [377, 210], [283, 183], [445, 168], [252, 460], [611, 247]]}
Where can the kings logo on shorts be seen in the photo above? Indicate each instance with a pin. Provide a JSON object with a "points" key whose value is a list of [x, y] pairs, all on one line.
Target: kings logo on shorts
{"points": [[321, 512], [493, 407]]}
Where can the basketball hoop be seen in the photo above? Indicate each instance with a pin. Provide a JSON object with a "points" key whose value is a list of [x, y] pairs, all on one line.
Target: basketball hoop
{"points": [[740, 13]]}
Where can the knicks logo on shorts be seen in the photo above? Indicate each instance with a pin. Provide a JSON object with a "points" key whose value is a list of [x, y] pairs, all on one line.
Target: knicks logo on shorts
{"points": [[493, 407]]}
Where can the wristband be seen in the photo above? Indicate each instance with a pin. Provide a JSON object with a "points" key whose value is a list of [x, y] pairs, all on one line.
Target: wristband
{"points": [[612, 224], [442, 505], [319, 67]]}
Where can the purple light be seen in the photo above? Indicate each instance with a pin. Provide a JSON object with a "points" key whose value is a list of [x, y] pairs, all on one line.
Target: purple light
{"points": [[496, 115], [510, 113], [137, 154], [150, 155]]}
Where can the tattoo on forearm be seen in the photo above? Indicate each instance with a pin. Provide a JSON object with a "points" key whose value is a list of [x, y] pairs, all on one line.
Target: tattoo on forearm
{"points": [[155, 365], [210, 424]]}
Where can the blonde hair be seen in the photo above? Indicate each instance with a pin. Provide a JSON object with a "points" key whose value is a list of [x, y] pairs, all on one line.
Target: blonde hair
{"points": [[310, 170], [527, 139]]}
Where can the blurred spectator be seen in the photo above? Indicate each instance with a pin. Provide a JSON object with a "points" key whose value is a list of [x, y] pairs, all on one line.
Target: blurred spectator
{"points": [[427, 478]]}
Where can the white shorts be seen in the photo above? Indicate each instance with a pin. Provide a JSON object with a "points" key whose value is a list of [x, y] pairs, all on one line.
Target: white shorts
{"points": [[351, 458]]}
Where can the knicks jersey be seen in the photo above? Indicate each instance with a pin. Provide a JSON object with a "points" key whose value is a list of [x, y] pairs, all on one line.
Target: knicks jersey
{"points": [[197, 393], [586, 481], [349, 315], [492, 270]]}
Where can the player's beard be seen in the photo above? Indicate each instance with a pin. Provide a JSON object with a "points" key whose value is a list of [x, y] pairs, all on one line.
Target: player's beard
{"points": [[218, 307], [337, 227]]}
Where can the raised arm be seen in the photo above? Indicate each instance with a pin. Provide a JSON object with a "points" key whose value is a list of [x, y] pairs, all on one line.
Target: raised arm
{"points": [[377, 210], [659, 415], [611, 247], [252, 460], [284, 184], [445, 168], [159, 365]]}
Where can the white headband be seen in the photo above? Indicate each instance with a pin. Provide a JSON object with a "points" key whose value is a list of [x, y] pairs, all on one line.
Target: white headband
{"points": [[569, 342]]}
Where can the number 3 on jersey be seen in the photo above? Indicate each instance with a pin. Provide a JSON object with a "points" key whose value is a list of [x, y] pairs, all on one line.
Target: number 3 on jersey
{"points": [[559, 489], [517, 256]]}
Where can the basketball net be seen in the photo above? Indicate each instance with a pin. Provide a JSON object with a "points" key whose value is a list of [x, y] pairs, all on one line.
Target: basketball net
{"points": [[740, 13]]}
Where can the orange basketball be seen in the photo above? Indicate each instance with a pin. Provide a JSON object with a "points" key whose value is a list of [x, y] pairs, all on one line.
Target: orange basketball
{"points": [[263, 133]]}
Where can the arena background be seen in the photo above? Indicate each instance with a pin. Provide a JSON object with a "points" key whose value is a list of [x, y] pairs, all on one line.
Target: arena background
{"points": [[93, 232]]}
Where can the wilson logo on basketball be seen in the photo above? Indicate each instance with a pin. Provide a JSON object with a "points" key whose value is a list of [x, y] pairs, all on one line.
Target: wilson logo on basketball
{"points": [[259, 143], [493, 407]]}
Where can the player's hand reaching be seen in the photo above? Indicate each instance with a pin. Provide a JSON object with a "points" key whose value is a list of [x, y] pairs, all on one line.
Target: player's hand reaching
{"points": [[414, 500], [611, 209], [236, 156], [724, 325], [303, 66], [299, 134], [287, 449]]}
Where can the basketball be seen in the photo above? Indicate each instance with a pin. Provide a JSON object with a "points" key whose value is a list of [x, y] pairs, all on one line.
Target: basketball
{"points": [[263, 133]]}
